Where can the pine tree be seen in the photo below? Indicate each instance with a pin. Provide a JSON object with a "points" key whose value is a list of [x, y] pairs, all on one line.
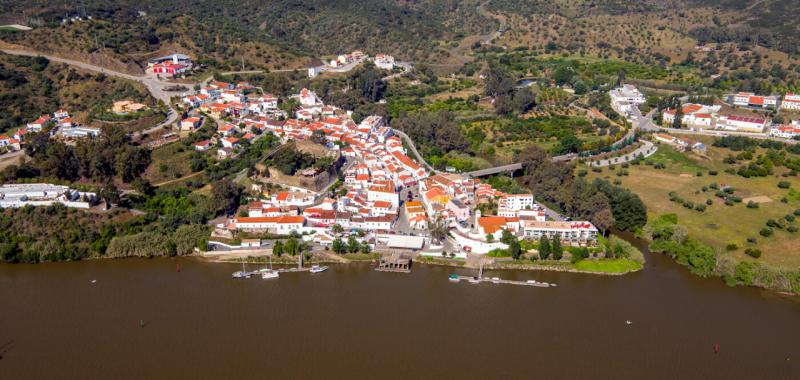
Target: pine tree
{"points": [[544, 248], [557, 251], [678, 121]]}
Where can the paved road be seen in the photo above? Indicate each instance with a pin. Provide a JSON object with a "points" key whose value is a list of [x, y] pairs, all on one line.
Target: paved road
{"points": [[647, 149], [154, 85], [413, 147], [720, 133]]}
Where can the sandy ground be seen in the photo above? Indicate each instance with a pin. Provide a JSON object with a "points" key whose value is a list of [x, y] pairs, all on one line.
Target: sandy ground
{"points": [[758, 199]]}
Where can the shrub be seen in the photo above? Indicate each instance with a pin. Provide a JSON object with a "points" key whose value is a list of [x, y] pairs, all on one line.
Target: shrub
{"points": [[701, 208], [709, 202], [705, 188], [753, 252], [797, 212], [784, 184], [766, 232], [728, 202], [792, 229], [752, 240], [789, 218], [660, 166], [597, 170], [752, 204], [714, 186], [731, 247], [698, 174], [582, 173], [712, 172]]}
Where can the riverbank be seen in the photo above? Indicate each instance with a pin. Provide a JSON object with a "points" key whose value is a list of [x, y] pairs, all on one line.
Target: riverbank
{"points": [[604, 267]]}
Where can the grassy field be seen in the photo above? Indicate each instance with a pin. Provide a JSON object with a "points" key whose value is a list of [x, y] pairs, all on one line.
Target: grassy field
{"points": [[608, 266], [169, 162], [719, 225]]}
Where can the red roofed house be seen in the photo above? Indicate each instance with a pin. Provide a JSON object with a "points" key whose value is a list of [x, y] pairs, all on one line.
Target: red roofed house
{"points": [[282, 225], [203, 145], [791, 102]]}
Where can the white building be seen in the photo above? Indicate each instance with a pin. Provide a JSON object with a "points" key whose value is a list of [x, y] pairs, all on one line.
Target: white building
{"points": [[749, 99], [694, 115], [282, 225], [78, 132], [791, 102], [575, 233], [385, 193], [785, 131], [383, 61], [741, 123], [515, 202], [624, 98], [43, 194]]}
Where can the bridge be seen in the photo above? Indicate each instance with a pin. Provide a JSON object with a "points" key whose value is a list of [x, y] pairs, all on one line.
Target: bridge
{"points": [[514, 167], [495, 170]]}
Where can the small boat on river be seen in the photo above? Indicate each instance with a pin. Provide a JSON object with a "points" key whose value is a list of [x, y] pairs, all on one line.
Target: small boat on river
{"points": [[318, 269]]}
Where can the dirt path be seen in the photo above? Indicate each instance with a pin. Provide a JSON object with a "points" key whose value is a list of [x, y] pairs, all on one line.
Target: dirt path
{"points": [[176, 180]]}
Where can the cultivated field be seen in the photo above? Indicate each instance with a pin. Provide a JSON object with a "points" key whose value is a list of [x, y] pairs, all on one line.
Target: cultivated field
{"points": [[719, 225]]}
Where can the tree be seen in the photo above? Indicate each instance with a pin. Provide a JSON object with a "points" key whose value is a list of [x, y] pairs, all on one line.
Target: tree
{"points": [[507, 237], [523, 100], [544, 248], [338, 246], [110, 193], [337, 229], [352, 244], [563, 75], [143, 186], [515, 249], [131, 162], [225, 196], [438, 230], [678, 121], [292, 247], [277, 250], [489, 238], [557, 251]]}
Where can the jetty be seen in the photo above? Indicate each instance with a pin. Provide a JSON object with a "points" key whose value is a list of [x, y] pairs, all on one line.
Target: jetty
{"points": [[397, 263], [496, 280]]}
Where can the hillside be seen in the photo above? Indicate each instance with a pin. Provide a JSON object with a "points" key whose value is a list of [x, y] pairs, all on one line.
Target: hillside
{"points": [[289, 33], [30, 87], [266, 34]]}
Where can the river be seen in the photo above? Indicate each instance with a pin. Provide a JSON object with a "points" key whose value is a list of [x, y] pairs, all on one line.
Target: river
{"points": [[353, 322]]}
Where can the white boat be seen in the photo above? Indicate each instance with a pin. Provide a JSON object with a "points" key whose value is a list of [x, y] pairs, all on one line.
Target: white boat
{"points": [[318, 269], [270, 274], [241, 273]]}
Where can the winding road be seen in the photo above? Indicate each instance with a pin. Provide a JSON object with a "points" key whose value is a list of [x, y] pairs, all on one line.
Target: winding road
{"points": [[155, 86]]}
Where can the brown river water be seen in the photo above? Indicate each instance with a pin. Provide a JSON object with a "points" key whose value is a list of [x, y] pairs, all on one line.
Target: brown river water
{"points": [[356, 323]]}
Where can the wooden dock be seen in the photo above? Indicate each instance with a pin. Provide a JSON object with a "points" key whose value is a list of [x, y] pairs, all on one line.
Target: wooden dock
{"points": [[396, 263], [496, 280]]}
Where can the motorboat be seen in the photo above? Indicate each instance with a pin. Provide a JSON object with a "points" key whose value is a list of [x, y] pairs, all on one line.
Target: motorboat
{"points": [[318, 269]]}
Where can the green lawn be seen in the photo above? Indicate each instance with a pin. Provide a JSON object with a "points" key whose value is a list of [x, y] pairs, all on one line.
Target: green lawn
{"points": [[608, 266]]}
